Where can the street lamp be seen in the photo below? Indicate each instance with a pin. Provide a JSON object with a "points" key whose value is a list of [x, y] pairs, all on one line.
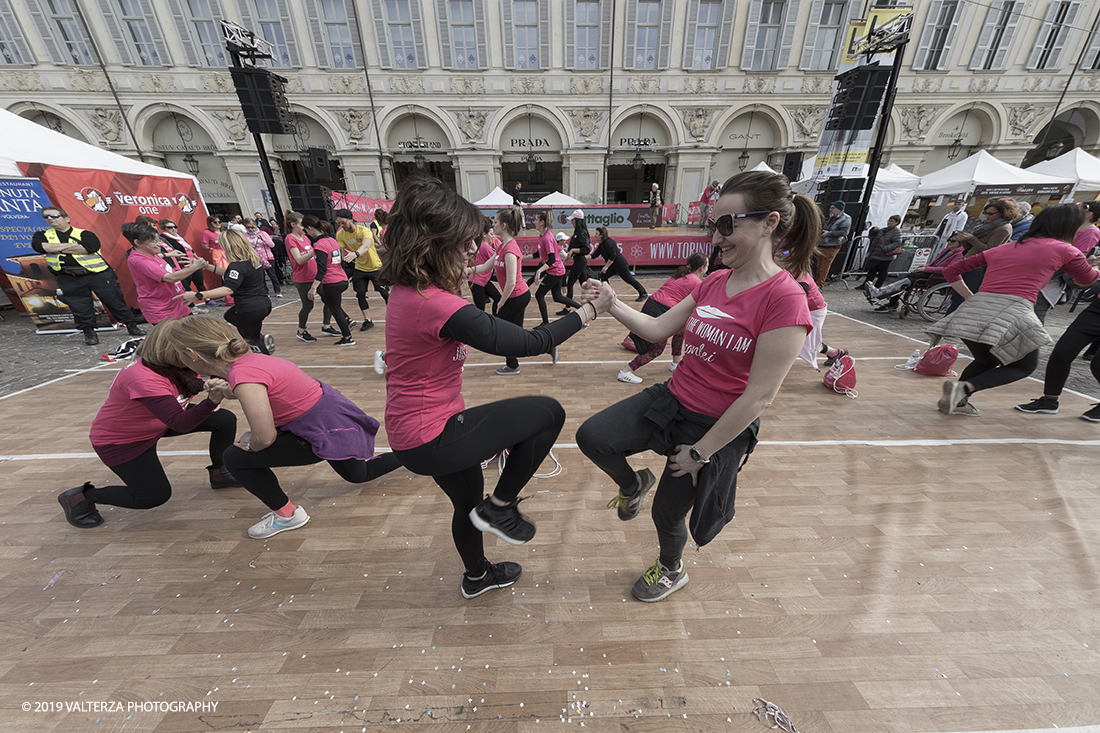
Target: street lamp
{"points": [[743, 158], [532, 161], [418, 160], [954, 148], [192, 164]]}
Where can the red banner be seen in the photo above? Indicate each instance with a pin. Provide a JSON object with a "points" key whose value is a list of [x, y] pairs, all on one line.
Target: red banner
{"points": [[362, 206], [654, 250], [695, 211], [102, 201]]}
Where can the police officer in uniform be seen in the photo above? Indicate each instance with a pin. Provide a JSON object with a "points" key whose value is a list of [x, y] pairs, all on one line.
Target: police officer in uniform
{"points": [[73, 257]]}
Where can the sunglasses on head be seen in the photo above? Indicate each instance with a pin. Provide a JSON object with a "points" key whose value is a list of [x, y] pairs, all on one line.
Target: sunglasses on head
{"points": [[724, 224]]}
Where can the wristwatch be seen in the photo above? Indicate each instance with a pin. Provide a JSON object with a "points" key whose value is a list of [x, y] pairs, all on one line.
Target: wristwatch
{"points": [[696, 457]]}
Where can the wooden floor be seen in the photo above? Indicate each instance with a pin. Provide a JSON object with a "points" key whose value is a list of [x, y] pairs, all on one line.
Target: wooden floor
{"points": [[889, 569]]}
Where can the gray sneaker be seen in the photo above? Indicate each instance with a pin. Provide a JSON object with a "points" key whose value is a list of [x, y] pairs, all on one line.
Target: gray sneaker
{"points": [[507, 370], [630, 504], [967, 409], [272, 524], [659, 582]]}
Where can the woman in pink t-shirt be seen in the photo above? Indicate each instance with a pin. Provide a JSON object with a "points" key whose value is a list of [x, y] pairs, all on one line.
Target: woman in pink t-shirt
{"points": [[815, 343], [215, 253], [551, 273], [513, 290], [682, 283], [150, 399], [743, 328], [293, 420], [481, 285], [429, 330], [331, 280], [303, 269], [998, 323], [158, 285]]}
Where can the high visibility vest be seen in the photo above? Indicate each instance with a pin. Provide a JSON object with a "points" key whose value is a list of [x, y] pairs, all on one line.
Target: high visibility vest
{"points": [[91, 263]]}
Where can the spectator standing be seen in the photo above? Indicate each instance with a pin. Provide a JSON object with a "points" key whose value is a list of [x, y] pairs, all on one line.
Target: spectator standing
{"points": [[835, 233], [953, 221], [883, 250], [265, 248], [653, 198]]}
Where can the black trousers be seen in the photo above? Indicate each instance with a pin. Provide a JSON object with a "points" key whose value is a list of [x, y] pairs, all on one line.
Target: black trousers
{"points": [[78, 296], [272, 273], [552, 284], [146, 484], [526, 426], [973, 280], [622, 269], [877, 269], [307, 304], [986, 372], [360, 280], [249, 324], [578, 271], [1083, 331], [253, 468], [330, 296], [484, 293], [512, 311]]}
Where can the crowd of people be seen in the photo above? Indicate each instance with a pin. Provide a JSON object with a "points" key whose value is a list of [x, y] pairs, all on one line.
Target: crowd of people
{"points": [[736, 330]]}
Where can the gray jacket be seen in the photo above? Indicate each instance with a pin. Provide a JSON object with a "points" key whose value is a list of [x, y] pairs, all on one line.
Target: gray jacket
{"points": [[888, 239], [837, 227]]}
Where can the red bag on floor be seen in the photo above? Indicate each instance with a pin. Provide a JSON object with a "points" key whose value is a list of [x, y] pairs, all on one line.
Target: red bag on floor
{"points": [[841, 377], [938, 360]]}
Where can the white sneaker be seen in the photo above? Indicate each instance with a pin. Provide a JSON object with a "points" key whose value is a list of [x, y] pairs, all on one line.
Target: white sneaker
{"points": [[554, 356], [380, 362], [272, 524], [672, 367], [269, 343], [625, 375]]}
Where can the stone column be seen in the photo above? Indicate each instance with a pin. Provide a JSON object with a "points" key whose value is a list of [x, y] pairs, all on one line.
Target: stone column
{"points": [[478, 172], [688, 174], [584, 174]]}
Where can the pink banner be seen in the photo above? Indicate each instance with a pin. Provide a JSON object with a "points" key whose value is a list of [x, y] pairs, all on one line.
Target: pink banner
{"points": [[624, 216], [362, 206], [654, 250], [695, 209]]}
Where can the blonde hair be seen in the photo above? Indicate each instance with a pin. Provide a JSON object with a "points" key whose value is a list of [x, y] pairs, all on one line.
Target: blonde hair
{"points": [[209, 337], [158, 348], [237, 248]]}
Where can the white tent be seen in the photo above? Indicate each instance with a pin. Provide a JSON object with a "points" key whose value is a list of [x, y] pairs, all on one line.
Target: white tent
{"points": [[1076, 164], [894, 190], [762, 166], [497, 198], [558, 199], [982, 169], [30, 142]]}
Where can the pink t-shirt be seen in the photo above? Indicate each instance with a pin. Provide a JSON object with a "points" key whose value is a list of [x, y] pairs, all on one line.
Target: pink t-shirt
{"points": [[210, 239], [290, 391], [1023, 268], [123, 419], [549, 246], [301, 273], [1086, 239], [484, 254], [721, 333], [334, 273], [676, 289], [502, 274], [154, 295], [423, 369], [813, 294]]}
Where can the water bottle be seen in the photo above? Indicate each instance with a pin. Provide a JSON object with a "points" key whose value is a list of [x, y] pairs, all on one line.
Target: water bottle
{"points": [[913, 359]]}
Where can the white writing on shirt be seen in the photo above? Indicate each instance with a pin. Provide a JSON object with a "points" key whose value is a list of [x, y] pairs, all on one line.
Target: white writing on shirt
{"points": [[713, 335], [462, 352]]}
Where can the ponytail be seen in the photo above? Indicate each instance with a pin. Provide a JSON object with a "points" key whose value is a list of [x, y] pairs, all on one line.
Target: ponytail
{"points": [[800, 241], [510, 221], [693, 263]]}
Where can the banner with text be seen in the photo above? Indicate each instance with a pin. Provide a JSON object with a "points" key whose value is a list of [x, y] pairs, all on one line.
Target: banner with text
{"points": [[362, 206], [650, 251]]}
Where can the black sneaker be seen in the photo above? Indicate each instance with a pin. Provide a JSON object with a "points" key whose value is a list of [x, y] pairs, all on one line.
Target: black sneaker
{"points": [[1045, 405], [563, 312], [306, 336], [1093, 415], [133, 330], [220, 478], [497, 575], [641, 298], [346, 341], [367, 325], [81, 514], [630, 504], [504, 521], [91, 338], [659, 582], [329, 331]]}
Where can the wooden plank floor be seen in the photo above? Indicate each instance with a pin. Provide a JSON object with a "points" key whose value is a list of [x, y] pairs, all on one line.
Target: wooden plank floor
{"points": [[889, 569]]}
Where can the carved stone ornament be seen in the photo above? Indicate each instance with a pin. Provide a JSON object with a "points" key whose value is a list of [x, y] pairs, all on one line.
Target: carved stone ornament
{"points": [[354, 122], [1036, 83], [1021, 118], [1089, 83], [586, 85], [294, 84], [218, 83], [468, 85], [759, 85], [698, 121], [528, 85], [586, 122], [927, 84], [700, 85], [817, 85], [233, 122], [472, 123], [88, 81], [982, 84], [645, 85], [108, 123], [22, 81], [345, 84], [158, 83], [808, 121], [406, 85], [916, 121]]}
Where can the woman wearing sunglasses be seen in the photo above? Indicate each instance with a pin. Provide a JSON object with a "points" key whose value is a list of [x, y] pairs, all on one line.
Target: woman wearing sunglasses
{"points": [[743, 328], [169, 233]]}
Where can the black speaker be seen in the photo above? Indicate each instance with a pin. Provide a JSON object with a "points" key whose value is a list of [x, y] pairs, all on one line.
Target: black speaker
{"points": [[858, 97], [318, 163], [263, 101], [310, 199], [792, 166], [848, 190]]}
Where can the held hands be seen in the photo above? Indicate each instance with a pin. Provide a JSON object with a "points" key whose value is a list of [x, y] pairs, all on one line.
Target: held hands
{"points": [[217, 389], [187, 296], [1093, 261], [681, 464]]}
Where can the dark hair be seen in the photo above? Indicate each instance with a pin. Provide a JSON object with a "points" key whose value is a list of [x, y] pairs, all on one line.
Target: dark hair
{"points": [[312, 222], [380, 216], [510, 221], [544, 217], [147, 220], [212, 218], [1060, 221], [488, 227], [58, 209], [430, 226], [1093, 208], [134, 232], [799, 219], [1007, 208], [894, 217], [344, 214], [693, 263], [165, 222], [602, 231]]}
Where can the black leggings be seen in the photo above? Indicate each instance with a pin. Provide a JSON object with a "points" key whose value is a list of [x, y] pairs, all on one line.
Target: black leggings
{"points": [[146, 484], [512, 311], [330, 296], [622, 269], [1083, 331], [552, 284], [360, 280], [578, 271], [484, 293], [986, 372], [249, 324], [877, 269], [307, 304], [526, 426], [253, 468], [272, 273]]}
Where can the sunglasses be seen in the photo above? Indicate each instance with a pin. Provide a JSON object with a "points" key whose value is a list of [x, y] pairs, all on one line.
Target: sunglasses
{"points": [[172, 226], [991, 213], [724, 224], [52, 216]]}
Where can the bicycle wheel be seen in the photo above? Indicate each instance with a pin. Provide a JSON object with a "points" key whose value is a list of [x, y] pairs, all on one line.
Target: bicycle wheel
{"points": [[935, 301]]}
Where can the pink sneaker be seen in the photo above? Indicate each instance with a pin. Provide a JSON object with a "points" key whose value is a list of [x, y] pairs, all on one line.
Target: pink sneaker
{"points": [[628, 344]]}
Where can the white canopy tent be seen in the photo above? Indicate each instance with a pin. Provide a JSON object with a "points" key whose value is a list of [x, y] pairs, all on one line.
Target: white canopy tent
{"points": [[1076, 164], [557, 199], [894, 190], [762, 166], [982, 169], [497, 198]]}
